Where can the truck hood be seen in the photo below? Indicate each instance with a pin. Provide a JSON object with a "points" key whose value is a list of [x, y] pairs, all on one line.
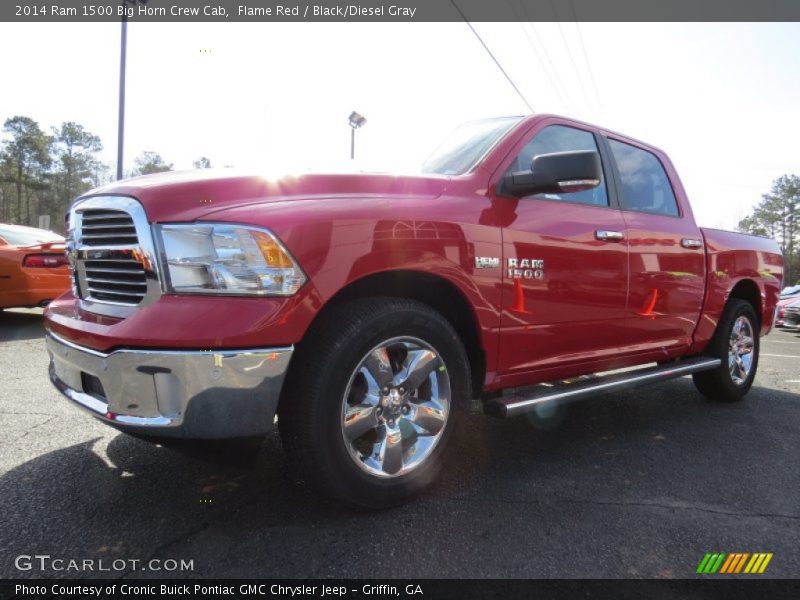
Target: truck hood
{"points": [[190, 195]]}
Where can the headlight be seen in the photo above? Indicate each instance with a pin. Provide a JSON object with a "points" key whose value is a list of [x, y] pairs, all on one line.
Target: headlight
{"points": [[227, 259]]}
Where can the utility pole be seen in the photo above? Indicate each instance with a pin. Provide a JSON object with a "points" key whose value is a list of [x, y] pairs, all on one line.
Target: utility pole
{"points": [[121, 125]]}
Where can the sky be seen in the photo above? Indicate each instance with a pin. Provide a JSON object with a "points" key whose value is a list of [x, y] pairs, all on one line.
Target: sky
{"points": [[723, 100]]}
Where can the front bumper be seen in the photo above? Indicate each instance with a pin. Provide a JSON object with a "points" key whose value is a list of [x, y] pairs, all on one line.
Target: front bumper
{"points": [[191, 394], [791, 320]]}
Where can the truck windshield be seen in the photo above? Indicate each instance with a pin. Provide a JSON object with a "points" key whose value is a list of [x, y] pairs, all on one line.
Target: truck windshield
{"points": [[463, 148]]}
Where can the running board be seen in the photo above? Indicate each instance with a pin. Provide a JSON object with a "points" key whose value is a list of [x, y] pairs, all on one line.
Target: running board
{"points": [[564, 393]]}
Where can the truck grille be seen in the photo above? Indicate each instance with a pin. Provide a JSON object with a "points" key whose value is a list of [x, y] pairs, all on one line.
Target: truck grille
{"points": [[116, 276], [112, 280], [112, 254], [107, 228]]}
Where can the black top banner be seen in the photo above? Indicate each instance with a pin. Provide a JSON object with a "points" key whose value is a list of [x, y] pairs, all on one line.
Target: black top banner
{"points": [[399, 11]]}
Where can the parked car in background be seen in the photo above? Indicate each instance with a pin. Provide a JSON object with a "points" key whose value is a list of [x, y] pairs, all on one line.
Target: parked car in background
{"points": [[791, 315], [782, 304], [33, 266], [788, 295], [792, 291]]}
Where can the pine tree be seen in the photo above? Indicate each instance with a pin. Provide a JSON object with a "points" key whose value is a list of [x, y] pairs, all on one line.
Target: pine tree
{"points": [[778, 216]]}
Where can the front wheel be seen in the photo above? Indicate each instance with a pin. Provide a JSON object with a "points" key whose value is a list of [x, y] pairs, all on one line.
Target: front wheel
{"points": [[372, 401], [736, 344]]}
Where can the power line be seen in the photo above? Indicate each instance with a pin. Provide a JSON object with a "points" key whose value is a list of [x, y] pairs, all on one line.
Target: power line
{"points": [[536, 53], [546, 54], [547, 73], [586, 56], [552, 64], [571, 57], [497, 62]]}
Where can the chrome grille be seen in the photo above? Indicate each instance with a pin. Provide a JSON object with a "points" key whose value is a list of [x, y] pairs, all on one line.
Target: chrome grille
{"points": [[122, 281], [107, 228], [111, 250]]}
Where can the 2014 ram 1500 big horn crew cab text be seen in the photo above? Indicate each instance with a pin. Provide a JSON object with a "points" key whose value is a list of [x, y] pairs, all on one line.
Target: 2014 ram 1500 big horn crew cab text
{"points": [[366, 310]]}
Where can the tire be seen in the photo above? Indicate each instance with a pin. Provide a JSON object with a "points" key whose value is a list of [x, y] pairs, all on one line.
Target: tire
{"points": [[733, 378], [399, 453]]}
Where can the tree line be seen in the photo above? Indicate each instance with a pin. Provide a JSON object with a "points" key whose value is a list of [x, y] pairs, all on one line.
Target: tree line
{"points": [[42, 172], [777, 216]]}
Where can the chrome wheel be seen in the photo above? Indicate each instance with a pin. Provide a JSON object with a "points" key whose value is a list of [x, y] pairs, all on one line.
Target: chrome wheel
{"points": [[395, 407], [740, 350]]}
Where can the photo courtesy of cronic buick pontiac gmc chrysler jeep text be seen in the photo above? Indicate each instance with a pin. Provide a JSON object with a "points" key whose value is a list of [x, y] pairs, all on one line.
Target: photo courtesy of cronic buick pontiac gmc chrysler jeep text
{"points": [[366, 310]]}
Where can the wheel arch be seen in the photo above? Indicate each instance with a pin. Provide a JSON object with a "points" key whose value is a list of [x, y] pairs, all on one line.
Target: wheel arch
{"points": [[718, 297], [430, 289], [748, 290]]}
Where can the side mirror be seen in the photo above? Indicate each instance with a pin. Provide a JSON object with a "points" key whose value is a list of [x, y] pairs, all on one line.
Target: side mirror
{"points": [[556, 173]]}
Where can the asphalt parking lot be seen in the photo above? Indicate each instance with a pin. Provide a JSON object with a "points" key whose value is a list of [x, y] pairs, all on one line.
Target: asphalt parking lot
{"points": [[636, 484]]}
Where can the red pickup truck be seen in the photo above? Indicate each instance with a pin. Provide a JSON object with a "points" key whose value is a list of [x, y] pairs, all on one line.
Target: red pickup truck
{"points": [[533, 261]]}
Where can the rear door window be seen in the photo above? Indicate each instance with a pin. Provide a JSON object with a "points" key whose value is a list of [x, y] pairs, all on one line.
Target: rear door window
{"points": [[645, 185]]}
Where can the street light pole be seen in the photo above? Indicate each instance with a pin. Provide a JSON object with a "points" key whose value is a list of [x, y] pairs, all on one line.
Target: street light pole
{"points": [[121, 124], [356, 120]]}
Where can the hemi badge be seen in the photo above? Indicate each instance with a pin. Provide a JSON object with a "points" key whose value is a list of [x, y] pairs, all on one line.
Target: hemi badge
{"points": [[487, 262]]}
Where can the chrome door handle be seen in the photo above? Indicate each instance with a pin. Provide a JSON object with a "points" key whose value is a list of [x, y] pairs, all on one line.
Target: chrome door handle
{"points": [[691, 244], [609, 236]]}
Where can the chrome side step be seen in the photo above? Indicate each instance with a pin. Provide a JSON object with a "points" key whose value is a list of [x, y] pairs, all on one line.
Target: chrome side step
{"points": [[564, 393]]}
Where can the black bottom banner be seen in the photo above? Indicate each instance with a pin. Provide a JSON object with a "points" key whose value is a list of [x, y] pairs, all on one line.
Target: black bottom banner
{"points": [[427, 589]]}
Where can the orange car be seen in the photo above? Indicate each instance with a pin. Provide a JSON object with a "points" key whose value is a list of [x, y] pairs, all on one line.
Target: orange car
{"points": [[33, 267]]}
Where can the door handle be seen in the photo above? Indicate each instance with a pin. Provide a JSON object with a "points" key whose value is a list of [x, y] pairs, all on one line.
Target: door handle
{"points": [[691, 244], [609, 236]]}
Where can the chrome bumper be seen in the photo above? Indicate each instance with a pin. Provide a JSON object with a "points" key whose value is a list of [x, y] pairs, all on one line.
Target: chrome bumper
{"points": [[174, 393]]}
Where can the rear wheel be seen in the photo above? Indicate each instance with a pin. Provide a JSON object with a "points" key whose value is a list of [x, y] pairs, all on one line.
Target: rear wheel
{"points": [[736, 344], [372, 401]]}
